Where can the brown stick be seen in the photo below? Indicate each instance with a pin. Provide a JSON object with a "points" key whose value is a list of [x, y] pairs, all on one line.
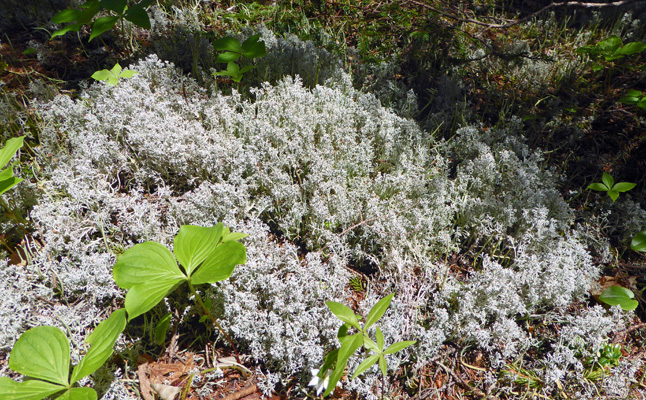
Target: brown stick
{"points": [[621, 334], [242, 393], [464, 383]]}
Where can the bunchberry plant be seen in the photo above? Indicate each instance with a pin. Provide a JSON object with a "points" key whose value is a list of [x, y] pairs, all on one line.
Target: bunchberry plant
{"points": [[112, 76], [150, 272], [639, 242], [611, 49], [121, 9], [609, 186], [233, 50], [337, 360], [43, 355], [617, 295], [605, 358], [634, 97]]}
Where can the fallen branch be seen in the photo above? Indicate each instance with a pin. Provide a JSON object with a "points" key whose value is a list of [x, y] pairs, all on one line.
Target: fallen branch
{"points": [[242, 393]]}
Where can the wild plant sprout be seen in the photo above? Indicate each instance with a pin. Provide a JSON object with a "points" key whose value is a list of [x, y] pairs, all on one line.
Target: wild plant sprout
{"points": [[112, 76], [608, 185]]}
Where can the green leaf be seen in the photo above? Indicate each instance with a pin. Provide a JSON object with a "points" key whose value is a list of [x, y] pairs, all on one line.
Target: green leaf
{"points": [[102, 25], [228, 44], [128, 73], [608, 180], [617, 295], [113, 80], [116, 70], [596, 67], [383, 365], [146, 3], [6, 173], [193, 244], [138, 16], [162, 328], [349, 345], [8, 183], [642, 103], [114, 5], [378, 310], [252, 48], [27, 390], [229, 236], [632, 48], [68, 28], [228, 57], [220, 263], [628, 100], [610, 45], [614, 195], [639, 242], [10, 149], [633, 93], [102, 75], [343, 313], [68, 15], [79, 393], [44, 353], [370, 344], [380, 340], [102, 341], [600, 187], [90, 9], [150, 271], [367, 363], [623, 186], [395, 347], [329, 361]]}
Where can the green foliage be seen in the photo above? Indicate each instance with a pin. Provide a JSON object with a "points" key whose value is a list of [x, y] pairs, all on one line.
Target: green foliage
{"points": [[617, 295], [608, 185], [338, 359], [634, 97], [7, 180], [639, 242], [135, 13], [149, 270], [600, 364], [113, 75], [611, 49], [43, 353], [233, 50]]}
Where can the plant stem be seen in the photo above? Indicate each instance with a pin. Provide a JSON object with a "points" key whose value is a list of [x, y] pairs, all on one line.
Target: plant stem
{"points": [[215, 322]]}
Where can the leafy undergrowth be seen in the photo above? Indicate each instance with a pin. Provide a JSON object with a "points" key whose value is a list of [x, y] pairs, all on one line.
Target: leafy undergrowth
{"points": [[447, 163]]}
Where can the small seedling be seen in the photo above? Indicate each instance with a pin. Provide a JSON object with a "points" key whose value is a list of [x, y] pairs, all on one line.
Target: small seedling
{"points": [[135, 13], [233, 50], [609, 186], [634, 97], [617, 295], [150, 272], [611, 49], [113, 75], [43, 355], [639, 242], [337, 360]]}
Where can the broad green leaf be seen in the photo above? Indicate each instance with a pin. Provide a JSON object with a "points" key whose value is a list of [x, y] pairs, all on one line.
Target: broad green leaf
{"points": [[628, 100], [90, 9], [349, 345], [102, 341], [116, 70], [101, 25], [380, 340], [596, 67], [128, 73], [633, 93], [6, 173], [608, 180], [68, 15], [617, 295], [343, 313], [8, 183], [114, 5], [145, 3], [588, 50], [623, 186], [193, 244], [44, 353], [639, 242], [162, 328], [138, 16], [367, 363], [610, 45], [68, 28], [600, 187], [642, 103], [632, 48], [102, 75], [229, 236], [252, 48], [150, 271], [10, 149], [378, 310], [220, 263], [395, 347], [27, 390], [228, 44], [383, 365], [370, 344], [247, 69], [113, 80], [227, 57], [329, 362], [614, 195], [79, 393]]}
